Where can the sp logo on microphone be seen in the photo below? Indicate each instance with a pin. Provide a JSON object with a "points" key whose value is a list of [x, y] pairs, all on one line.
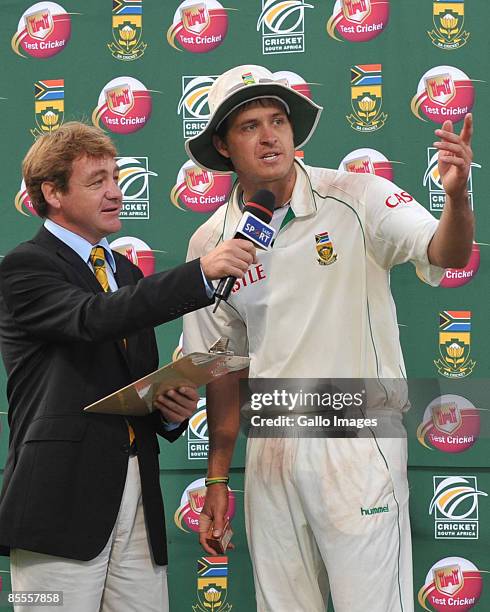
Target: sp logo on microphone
{"points": [[256, 230]]}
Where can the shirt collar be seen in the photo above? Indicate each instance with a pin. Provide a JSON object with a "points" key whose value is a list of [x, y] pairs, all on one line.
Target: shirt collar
{"points": [[302, 200], [78, 244]]}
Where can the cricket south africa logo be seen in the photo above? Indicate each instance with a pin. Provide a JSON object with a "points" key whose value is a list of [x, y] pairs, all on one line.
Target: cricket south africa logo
{"points": [[455, 344], [198, 27], [197, 433], [193, 105], [366, 98], [451, 584], [186, 516], [124, 106], [200, 190], [358, 20], [448, 18], [367, 161], [127, 30], [443, 92], [282, 24], [454, 506], [43, 31], [451, 424], [49, 106], [135, 186]]}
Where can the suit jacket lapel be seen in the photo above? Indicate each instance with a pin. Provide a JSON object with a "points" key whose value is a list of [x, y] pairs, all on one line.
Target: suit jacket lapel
{"points": [[85, 277], [124, 277], [47, 240]]}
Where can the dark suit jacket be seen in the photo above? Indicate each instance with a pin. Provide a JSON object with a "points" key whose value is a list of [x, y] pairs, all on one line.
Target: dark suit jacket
{"points": [[61, 341]]}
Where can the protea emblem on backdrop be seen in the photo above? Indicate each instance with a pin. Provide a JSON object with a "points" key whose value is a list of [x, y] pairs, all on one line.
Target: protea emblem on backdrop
{"points": [[366, 98], [127, 30], [49, 106], [212, 585], [448, 32], [455, 344]]}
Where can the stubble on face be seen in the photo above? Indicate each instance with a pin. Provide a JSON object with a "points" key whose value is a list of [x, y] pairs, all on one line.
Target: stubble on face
{"points": [[260, 143]]}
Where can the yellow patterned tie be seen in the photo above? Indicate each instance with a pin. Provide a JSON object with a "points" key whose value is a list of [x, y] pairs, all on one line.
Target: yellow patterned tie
{"points": [[98, 261]]}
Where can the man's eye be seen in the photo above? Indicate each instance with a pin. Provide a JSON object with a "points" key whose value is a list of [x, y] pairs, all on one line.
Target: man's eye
{"points": [[279, 121], [97, 183], [249, 127]]}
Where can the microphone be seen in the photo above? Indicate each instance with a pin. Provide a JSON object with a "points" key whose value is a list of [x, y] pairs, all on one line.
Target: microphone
{"points": [[254, 226]]}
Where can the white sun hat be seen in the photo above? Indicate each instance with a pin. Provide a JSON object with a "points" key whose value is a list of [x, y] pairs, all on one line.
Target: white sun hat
{"points": [[244, 84]]}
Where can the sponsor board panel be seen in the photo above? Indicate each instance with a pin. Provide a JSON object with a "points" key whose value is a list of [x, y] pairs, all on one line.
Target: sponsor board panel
{"points": [[185, 552]]}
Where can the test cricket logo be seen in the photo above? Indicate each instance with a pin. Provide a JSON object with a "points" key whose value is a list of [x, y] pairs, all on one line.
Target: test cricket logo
{"points": [[197, 433], [366, 98], [212, 585], [455, 344], [358, 20], [23, 202], [200, 190], [295, 81], [367, 161], [186, 516], [127, 30], [193, 105], [443, 92], [451, 424], [124, 106], [453, 583], [43, 30], [135, 186], [457, 277], [49, 106], [454, 506], [137, 251], [282, 23], [448, 18], [325, 250], [198, 27], [432, 180]]}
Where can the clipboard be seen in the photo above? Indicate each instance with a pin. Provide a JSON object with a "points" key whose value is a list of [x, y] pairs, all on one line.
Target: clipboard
{"points": [[195, 369]]}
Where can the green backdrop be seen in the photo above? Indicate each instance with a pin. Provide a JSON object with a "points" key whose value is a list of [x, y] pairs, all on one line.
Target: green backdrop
{"points": [[366, 59]]}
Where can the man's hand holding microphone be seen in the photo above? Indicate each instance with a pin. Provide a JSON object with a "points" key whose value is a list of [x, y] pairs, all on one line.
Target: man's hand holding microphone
{"points": [[230, 258]]}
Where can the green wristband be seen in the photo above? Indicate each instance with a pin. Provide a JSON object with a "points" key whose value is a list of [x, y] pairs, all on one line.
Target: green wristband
{"points": [[217, 480]]}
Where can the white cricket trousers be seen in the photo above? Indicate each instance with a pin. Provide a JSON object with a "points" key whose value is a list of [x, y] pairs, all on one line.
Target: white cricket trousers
{"points": [[329, 515], [123, 578]]}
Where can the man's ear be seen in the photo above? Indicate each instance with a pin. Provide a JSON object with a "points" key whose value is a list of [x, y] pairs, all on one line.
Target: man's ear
{"points": [[220, 146], [51, 194]]}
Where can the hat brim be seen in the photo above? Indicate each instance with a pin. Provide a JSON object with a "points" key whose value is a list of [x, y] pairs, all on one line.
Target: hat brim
{"points": [[303, 112]]}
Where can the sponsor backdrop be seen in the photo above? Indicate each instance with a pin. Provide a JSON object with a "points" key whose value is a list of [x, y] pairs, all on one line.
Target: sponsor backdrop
{"points": [[388, 73]]}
